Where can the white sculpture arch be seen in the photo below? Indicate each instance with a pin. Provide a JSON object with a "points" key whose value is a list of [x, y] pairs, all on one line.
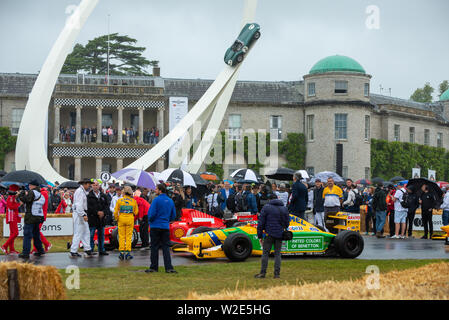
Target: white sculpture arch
{"points": [[30, 148]]}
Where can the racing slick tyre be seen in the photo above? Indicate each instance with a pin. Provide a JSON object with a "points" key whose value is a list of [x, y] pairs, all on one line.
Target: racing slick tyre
{"points": [[237, 247], [257, 35], [349, 244], [202, 229], [114, 239]]}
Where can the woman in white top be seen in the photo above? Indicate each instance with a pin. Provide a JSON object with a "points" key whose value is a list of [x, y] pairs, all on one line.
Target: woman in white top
{"points": [[68, 202]]}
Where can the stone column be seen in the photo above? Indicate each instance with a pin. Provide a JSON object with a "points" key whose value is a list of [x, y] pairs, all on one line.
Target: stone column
{"points": [[160, 164], [57, 164], [98, 166], [141, 125], [119, 164], [160, 122], [56, 138], [78, 124], [77, 174], [120, 125], [99, 122]]}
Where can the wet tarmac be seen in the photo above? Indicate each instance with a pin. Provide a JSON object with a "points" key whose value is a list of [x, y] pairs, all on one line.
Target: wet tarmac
{"points": [[380, 249]]}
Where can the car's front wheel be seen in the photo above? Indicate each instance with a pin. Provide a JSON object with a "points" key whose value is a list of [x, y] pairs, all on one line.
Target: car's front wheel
{"points": [[257, 35], [237, 247], [349, 244]]}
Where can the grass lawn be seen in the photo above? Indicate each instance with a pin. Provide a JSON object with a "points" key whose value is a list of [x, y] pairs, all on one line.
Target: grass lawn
{"points": [[132, 282], [59, 244]]}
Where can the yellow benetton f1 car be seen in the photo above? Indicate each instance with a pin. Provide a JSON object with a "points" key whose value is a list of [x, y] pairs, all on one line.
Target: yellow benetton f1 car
{"points": [[238, 243]]}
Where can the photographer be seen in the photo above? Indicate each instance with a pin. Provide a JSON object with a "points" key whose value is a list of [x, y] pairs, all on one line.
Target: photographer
{"points": [[34, 215]]}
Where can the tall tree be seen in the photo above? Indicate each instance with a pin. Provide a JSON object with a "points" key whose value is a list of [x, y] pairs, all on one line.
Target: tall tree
{"points": [[444, 86], [423, 95], [7, 144], [125, 58]]}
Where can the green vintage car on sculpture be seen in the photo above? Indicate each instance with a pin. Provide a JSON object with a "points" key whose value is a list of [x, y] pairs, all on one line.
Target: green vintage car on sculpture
{"points": [[236, 53]]}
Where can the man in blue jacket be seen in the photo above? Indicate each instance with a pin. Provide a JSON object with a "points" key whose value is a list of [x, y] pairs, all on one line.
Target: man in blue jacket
{"points": [[251, 200], [162, 211], [273, 220], [226, 192], [300, 197]]}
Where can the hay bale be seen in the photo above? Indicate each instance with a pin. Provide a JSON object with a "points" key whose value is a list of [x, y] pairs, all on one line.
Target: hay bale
{"points": [[426, 283], [35, 282]]}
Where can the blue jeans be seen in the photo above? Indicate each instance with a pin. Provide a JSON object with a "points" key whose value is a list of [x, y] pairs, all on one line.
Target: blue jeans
{"points": [[100, 238], [445, 217], [160, 238], [380, 220], [31, 231]]}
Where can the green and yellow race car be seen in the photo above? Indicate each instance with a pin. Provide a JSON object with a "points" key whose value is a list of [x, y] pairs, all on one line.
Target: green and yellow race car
{"points": [[249, 34], [239, 243]]}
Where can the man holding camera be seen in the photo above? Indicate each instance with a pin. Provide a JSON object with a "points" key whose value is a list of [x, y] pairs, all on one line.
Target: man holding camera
{"points": [[34, 215]]}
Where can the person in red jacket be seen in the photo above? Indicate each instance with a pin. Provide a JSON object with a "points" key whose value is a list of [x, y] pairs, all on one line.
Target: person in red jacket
{"points": [[45, 242], [143, 206], [12, 218], [390, 210]]}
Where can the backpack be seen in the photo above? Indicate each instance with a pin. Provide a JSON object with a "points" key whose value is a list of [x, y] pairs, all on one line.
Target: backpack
{"points": [[240, 202], [38, 203], [358, 199], [230, 202], [405, 202]]}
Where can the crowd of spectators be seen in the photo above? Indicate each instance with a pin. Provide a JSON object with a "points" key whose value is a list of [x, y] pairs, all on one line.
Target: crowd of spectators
{"points": [[108, 135]]}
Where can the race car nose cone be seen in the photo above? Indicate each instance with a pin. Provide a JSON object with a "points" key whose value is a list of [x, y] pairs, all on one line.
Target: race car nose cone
{"points": [[187, 240]]}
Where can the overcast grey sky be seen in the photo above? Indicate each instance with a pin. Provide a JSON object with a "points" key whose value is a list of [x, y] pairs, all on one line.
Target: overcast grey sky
{"points": [[189, 37]]}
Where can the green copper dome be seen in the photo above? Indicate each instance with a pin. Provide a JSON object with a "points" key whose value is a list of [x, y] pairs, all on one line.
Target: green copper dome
{"points": [[445, 96], [337, 63]]}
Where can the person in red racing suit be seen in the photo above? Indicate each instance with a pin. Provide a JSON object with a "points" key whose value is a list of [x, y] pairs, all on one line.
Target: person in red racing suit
{"points": [[12, 218]]}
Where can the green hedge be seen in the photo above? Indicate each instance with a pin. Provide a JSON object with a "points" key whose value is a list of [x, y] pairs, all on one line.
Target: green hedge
{"points": [[389, 159], [7, 144]]}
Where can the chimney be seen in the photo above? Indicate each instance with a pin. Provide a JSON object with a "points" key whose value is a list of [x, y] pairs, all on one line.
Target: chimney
{"points": [[156, 71]]}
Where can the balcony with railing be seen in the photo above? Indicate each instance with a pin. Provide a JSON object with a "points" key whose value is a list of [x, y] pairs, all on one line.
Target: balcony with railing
{"points": [[107, 90]]}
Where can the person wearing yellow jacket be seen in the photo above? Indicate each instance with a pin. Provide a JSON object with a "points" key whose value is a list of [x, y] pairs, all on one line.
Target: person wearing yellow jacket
{"points": [[125, 210]]}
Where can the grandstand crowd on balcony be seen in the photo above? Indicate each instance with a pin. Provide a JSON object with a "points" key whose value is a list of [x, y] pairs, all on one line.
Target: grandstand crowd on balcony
{"points": [[108, 135]]}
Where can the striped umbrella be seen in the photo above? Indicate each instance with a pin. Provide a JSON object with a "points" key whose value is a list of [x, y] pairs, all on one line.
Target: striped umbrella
{"points": [[180, 176], [246, 175], [136, 177]]}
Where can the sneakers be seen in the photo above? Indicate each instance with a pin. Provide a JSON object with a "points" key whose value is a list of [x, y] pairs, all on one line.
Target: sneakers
{"points": [[75, 255], [14, 252], [121, 256], [372, 234], [103, 253], [38, 254], [4, 250], [260, 276], [171, 271], [128, 256], [149, 270], [48, 248], [395, 237], [90, 253], [402, 237]]}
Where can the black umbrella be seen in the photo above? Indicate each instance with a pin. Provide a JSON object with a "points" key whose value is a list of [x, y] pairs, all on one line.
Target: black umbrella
{"points": [[377, 180], [388, 184], [3, 173], [69, 185], [23, 176], [198, 180], [397, 179], [416, 184], [284, 174]]}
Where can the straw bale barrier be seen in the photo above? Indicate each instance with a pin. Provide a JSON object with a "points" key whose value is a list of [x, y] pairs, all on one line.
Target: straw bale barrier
{"points": [[35, 282], [425, 283]]}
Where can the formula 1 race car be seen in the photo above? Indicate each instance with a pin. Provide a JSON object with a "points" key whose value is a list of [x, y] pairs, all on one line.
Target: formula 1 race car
{"points": [[192, 222], [239, 243], [249, 34]]}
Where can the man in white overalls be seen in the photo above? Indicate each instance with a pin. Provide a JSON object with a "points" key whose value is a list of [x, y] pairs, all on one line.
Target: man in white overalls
{"points": [[81, 230]]}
